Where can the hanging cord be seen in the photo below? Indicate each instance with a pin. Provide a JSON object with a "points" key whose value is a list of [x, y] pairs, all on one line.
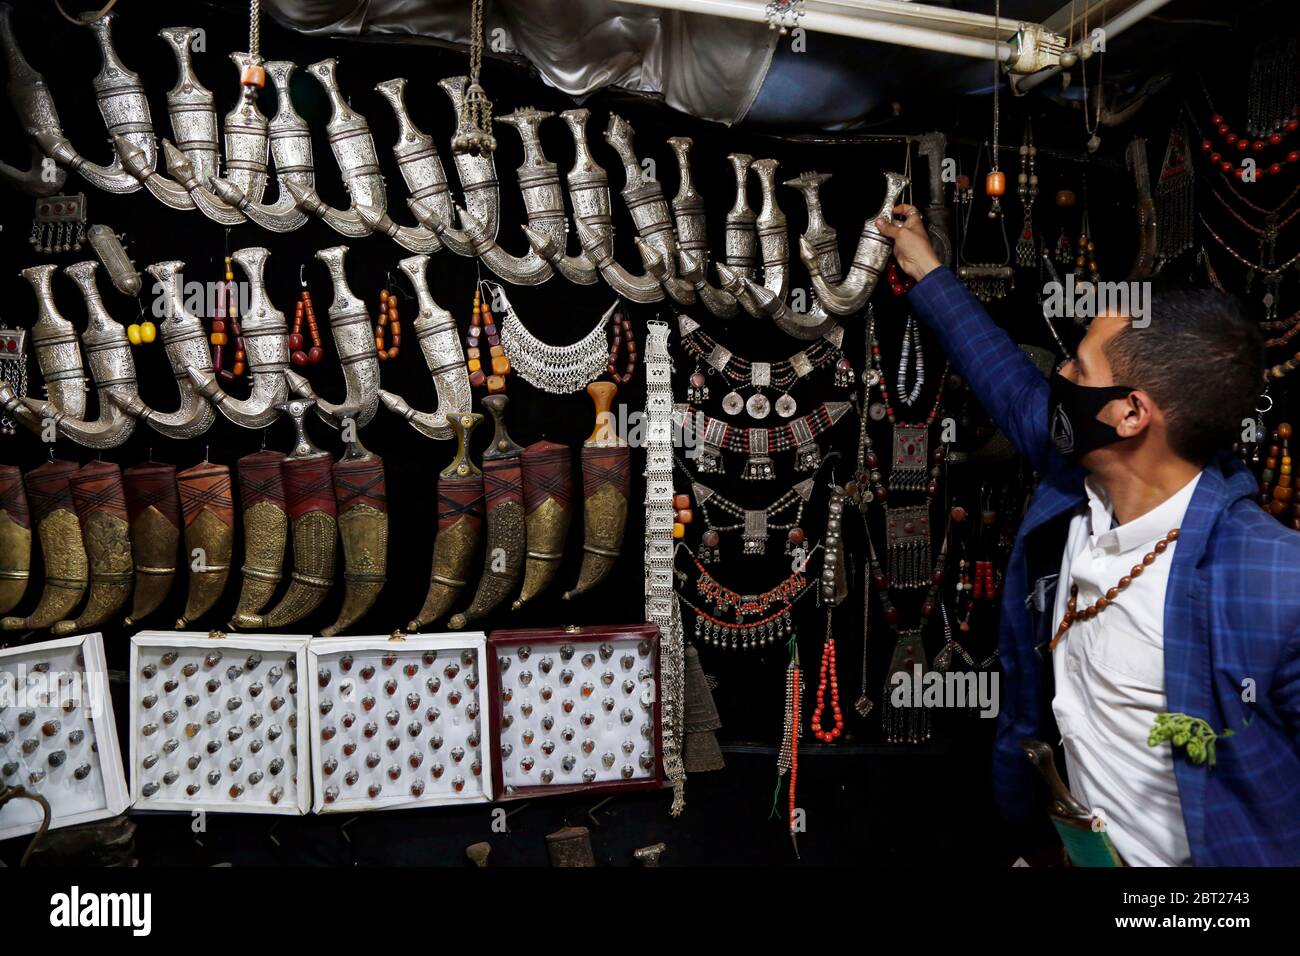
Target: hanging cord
{"points": [[969, 211], [255, 29], [474, 126]]}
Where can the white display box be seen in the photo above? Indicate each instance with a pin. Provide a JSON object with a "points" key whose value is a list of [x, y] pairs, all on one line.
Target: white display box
{"points": [[575, 709], [399, 723], [57, 735], [219, 723]]}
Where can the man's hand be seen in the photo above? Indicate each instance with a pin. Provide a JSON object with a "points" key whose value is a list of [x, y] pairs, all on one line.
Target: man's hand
{"points": [[912, 246]]}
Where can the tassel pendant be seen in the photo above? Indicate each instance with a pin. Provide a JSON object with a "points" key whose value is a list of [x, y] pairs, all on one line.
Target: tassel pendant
{"points": [[906, 720], [908, 550]]}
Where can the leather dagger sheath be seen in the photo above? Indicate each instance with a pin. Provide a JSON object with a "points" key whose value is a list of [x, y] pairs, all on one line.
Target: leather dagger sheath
{"points": [[460, 523], [61, 546], [155, 516], [309, 502], [362, 501], [548, 506], [266, 528], [207, 502], [503, 496], [606, 479], [15, 538], [100, 501]]}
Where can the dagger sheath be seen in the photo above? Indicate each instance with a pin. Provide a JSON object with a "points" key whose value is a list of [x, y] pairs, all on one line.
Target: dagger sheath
{"points": [[266, 528], [362, 499], [548, 506], [208, 506], [155, 518], [15, 538], [64, 553], [100, 501]]}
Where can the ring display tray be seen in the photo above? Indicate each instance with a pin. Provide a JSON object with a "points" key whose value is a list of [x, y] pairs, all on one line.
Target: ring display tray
{"points": [[58, 738], [398, 723], [219, 723], [575, 709]]}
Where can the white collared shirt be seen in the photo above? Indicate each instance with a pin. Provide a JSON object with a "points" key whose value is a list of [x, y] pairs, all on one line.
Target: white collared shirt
{"points": [[1110, 679]]}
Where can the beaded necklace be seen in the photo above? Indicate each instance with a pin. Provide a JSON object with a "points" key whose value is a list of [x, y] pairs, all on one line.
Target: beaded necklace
{"points": [[759, 619], [387, 321], [756, 525], [741, 372], [906, 724], [303, 309], [757, 444], [482, 326], [225, 329], [1072, 612]]}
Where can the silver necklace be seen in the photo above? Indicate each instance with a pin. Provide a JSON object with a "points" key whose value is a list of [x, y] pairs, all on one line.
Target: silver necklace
{"points": [[559, 369]]}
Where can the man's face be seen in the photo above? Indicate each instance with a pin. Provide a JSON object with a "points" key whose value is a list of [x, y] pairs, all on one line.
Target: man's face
{"points": [[1091, 367]]}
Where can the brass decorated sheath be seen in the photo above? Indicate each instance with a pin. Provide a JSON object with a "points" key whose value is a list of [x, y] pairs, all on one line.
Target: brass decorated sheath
{"points": [[266, 528], [207, 503], [61, 546], [548, 503], [309, 502], [460, 522], [101, 508], [15, 538], [362, 499], [606, 477], [154, 513], [503, 495]]}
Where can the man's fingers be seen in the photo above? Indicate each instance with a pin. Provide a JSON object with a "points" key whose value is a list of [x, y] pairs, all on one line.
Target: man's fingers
{"points": [[889, 228], [905, 211]]}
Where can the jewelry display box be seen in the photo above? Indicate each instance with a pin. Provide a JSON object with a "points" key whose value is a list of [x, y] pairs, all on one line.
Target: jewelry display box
{"points": [[397, 722], [575, 709], [58, 738], [219, 722]]}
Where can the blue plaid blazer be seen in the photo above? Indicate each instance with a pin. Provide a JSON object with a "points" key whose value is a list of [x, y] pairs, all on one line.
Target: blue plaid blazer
{"points": [[1232, 614]]}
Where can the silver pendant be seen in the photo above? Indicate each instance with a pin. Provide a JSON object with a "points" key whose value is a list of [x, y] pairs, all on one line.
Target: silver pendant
{"points": [[786, 406], [758, 406], [732, 403]]}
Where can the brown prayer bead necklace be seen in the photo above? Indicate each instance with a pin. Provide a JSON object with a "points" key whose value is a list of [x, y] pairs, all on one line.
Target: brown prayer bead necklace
{"points": [[387, 321], [1072, 612]]}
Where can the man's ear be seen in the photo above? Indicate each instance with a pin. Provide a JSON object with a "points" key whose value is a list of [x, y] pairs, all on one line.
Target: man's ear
{"points": [[1138, 413]]}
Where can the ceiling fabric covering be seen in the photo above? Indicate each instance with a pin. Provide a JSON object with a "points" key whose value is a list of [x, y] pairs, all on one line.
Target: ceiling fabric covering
{"points": [[710, 67]]}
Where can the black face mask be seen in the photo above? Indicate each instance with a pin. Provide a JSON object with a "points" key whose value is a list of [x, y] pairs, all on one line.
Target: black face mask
{"points": [[1072, 412]]}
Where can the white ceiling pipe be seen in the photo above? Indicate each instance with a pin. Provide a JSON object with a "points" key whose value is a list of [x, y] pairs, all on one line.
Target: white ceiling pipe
{"points": [[1113, 28], [861, 28]]}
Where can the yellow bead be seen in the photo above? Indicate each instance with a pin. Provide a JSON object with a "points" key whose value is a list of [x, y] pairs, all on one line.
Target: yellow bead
{"points": [[133, 334], [496, 383], [218, 338], [148, 332], [496, 350], [500, 365], [474, 365], [679, 530]]}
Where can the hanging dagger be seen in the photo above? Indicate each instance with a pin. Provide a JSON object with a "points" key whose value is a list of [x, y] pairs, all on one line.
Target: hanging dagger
{"points": [[506, 529]]}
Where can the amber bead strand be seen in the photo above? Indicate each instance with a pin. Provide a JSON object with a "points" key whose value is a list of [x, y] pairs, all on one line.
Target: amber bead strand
{"points": [[388, 320], [225, 325], [624, 340], [1277, 493], [1072, 612], [303, 309], [482, 326]]}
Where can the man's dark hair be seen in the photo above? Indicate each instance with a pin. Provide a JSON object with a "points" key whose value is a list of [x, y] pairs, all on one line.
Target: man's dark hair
{"points": [[1202, 360]]}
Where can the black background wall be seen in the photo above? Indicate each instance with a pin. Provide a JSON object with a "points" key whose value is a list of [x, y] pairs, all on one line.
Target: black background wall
{"points": [[866, 801]]}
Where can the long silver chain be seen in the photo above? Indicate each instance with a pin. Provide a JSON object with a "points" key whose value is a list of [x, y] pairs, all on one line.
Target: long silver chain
{"points": [[255, 29], [662, 608]]}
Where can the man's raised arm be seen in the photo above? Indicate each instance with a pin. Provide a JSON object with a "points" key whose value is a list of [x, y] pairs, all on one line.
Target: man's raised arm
{"points": [[1006, 383]]}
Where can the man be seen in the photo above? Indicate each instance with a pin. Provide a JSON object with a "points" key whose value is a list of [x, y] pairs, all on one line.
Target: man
{"points": [[1145, 578]]}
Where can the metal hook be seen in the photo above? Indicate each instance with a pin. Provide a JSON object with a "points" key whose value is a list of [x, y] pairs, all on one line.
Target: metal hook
{"points": [[302, 278]]}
